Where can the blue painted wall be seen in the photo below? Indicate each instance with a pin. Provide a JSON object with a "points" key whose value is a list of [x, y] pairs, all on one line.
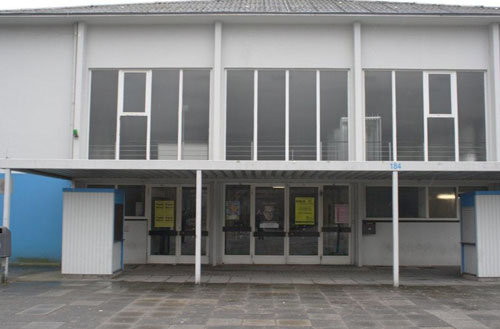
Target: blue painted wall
{"points": [[36, 217]]}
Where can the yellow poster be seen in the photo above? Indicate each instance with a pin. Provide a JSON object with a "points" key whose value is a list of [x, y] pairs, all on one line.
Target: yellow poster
{"points": [[304, 211], [165, 213]]}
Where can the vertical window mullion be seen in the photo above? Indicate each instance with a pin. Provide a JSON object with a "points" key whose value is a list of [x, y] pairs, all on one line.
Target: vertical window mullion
{"points": [[255, 113], [426, 114], [121, 77], [318, 116], [454, 111], [287, 115], [180, 118], [149, 78], [394, 118]]}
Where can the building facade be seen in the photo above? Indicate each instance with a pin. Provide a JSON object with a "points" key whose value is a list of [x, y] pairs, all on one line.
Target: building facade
{"points": [[323, 132]]}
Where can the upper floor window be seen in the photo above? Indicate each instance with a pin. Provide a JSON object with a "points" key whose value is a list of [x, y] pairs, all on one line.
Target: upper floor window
{"points": [[149, 114], [286, 115], [439, 116]]}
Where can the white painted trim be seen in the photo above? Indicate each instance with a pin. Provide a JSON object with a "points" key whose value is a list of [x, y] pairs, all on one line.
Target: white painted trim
{"points": [[198, 227], [118, 114], [217, 113], [79, 72], [255, 113], [394, 118], [359, 124], [318, 115], [395, 229], [149, 82], [426, 114], [494, 92], [287, 115], [454, 111], [180, 139]]}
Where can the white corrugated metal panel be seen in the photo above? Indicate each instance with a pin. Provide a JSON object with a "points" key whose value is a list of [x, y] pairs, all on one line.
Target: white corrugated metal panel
{"points": [[488, 233], [87, 233]]}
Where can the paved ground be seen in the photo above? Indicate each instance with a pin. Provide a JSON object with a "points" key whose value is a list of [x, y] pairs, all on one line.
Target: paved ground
{"points": [[123, 304]]}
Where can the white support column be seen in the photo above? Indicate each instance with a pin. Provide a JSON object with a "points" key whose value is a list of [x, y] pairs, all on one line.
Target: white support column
{"points": [[218, 117], [395, 228], [197, 268], [6, 216], [79, 74], [493, 113], [356, 119]]}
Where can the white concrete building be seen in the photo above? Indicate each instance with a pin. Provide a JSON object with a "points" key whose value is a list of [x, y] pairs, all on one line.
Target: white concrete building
{"points": [[304, 121]]}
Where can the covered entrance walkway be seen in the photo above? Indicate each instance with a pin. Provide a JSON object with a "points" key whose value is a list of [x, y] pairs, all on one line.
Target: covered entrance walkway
{"points": [[295, 274]]}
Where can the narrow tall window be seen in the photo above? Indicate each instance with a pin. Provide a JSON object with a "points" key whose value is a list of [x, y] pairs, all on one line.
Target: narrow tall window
{"points": [[378, 115], [271, 115], [195, 114], [333, 115], [302, 115], [471, 121], [164, 114], [103, 107], [240, 114]]}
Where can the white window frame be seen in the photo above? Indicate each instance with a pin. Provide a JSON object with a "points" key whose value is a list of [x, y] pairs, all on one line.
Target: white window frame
{"points": [[121, 113], [454, 110], [254, 144]]}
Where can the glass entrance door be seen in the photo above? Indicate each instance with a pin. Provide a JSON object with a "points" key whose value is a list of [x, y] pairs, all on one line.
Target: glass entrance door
{"points": [[303, 233], [269, 233], [163, 221], [237, 227], [336, 230]]}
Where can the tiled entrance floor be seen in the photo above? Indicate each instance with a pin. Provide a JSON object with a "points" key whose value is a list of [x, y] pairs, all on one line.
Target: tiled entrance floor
{"points": [[158, 305], [295, 274]]}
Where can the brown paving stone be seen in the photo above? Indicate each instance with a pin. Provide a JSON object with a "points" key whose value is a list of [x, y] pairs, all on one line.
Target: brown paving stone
{"points": [[293, 323]]}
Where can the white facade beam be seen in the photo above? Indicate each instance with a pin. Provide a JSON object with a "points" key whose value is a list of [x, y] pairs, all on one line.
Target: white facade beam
{"points": [[217, 114], [356, 117], [493, 115], [78, 88]]}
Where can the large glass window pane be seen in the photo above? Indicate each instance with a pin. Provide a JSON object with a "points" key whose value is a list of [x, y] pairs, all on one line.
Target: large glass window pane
{"points": [[103, 108], [379, 202], [133, 138], [442, 202], [239, 112], [187, 234], [195, 114], [134, 92], [237, 220], [441, 142], [302, 115], [163, 215], [336, 221], [378, 112], [303, 221], [411, 202], [439, 94], [334, 122], [271, 115], [269, 221], [471, 121], [164, 114], [410, 117], [134, 200]]}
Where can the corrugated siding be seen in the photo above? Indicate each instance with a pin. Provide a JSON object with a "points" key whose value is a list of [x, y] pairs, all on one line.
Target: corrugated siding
{"points": [[87, 233], [488, 235]]}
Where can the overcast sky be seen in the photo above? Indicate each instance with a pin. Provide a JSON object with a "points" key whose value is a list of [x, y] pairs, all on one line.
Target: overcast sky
{"points": [[17, 4]]}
